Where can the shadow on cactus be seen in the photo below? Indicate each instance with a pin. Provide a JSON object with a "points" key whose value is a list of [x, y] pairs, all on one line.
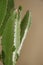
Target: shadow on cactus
{"points": [[13, 31]]}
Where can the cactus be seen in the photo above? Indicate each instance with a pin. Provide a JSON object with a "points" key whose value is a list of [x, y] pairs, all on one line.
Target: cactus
{"points": [[13, 31]]}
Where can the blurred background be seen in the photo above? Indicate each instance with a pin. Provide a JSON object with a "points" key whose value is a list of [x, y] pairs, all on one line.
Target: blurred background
{"points": [[32, 50]]}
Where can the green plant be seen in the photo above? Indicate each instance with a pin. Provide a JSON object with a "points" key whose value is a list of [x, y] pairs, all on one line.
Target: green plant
{"points": [[13, 31]]}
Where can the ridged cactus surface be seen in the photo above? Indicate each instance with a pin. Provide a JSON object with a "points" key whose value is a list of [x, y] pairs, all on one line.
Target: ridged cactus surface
{"points": [[13, 31]]}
